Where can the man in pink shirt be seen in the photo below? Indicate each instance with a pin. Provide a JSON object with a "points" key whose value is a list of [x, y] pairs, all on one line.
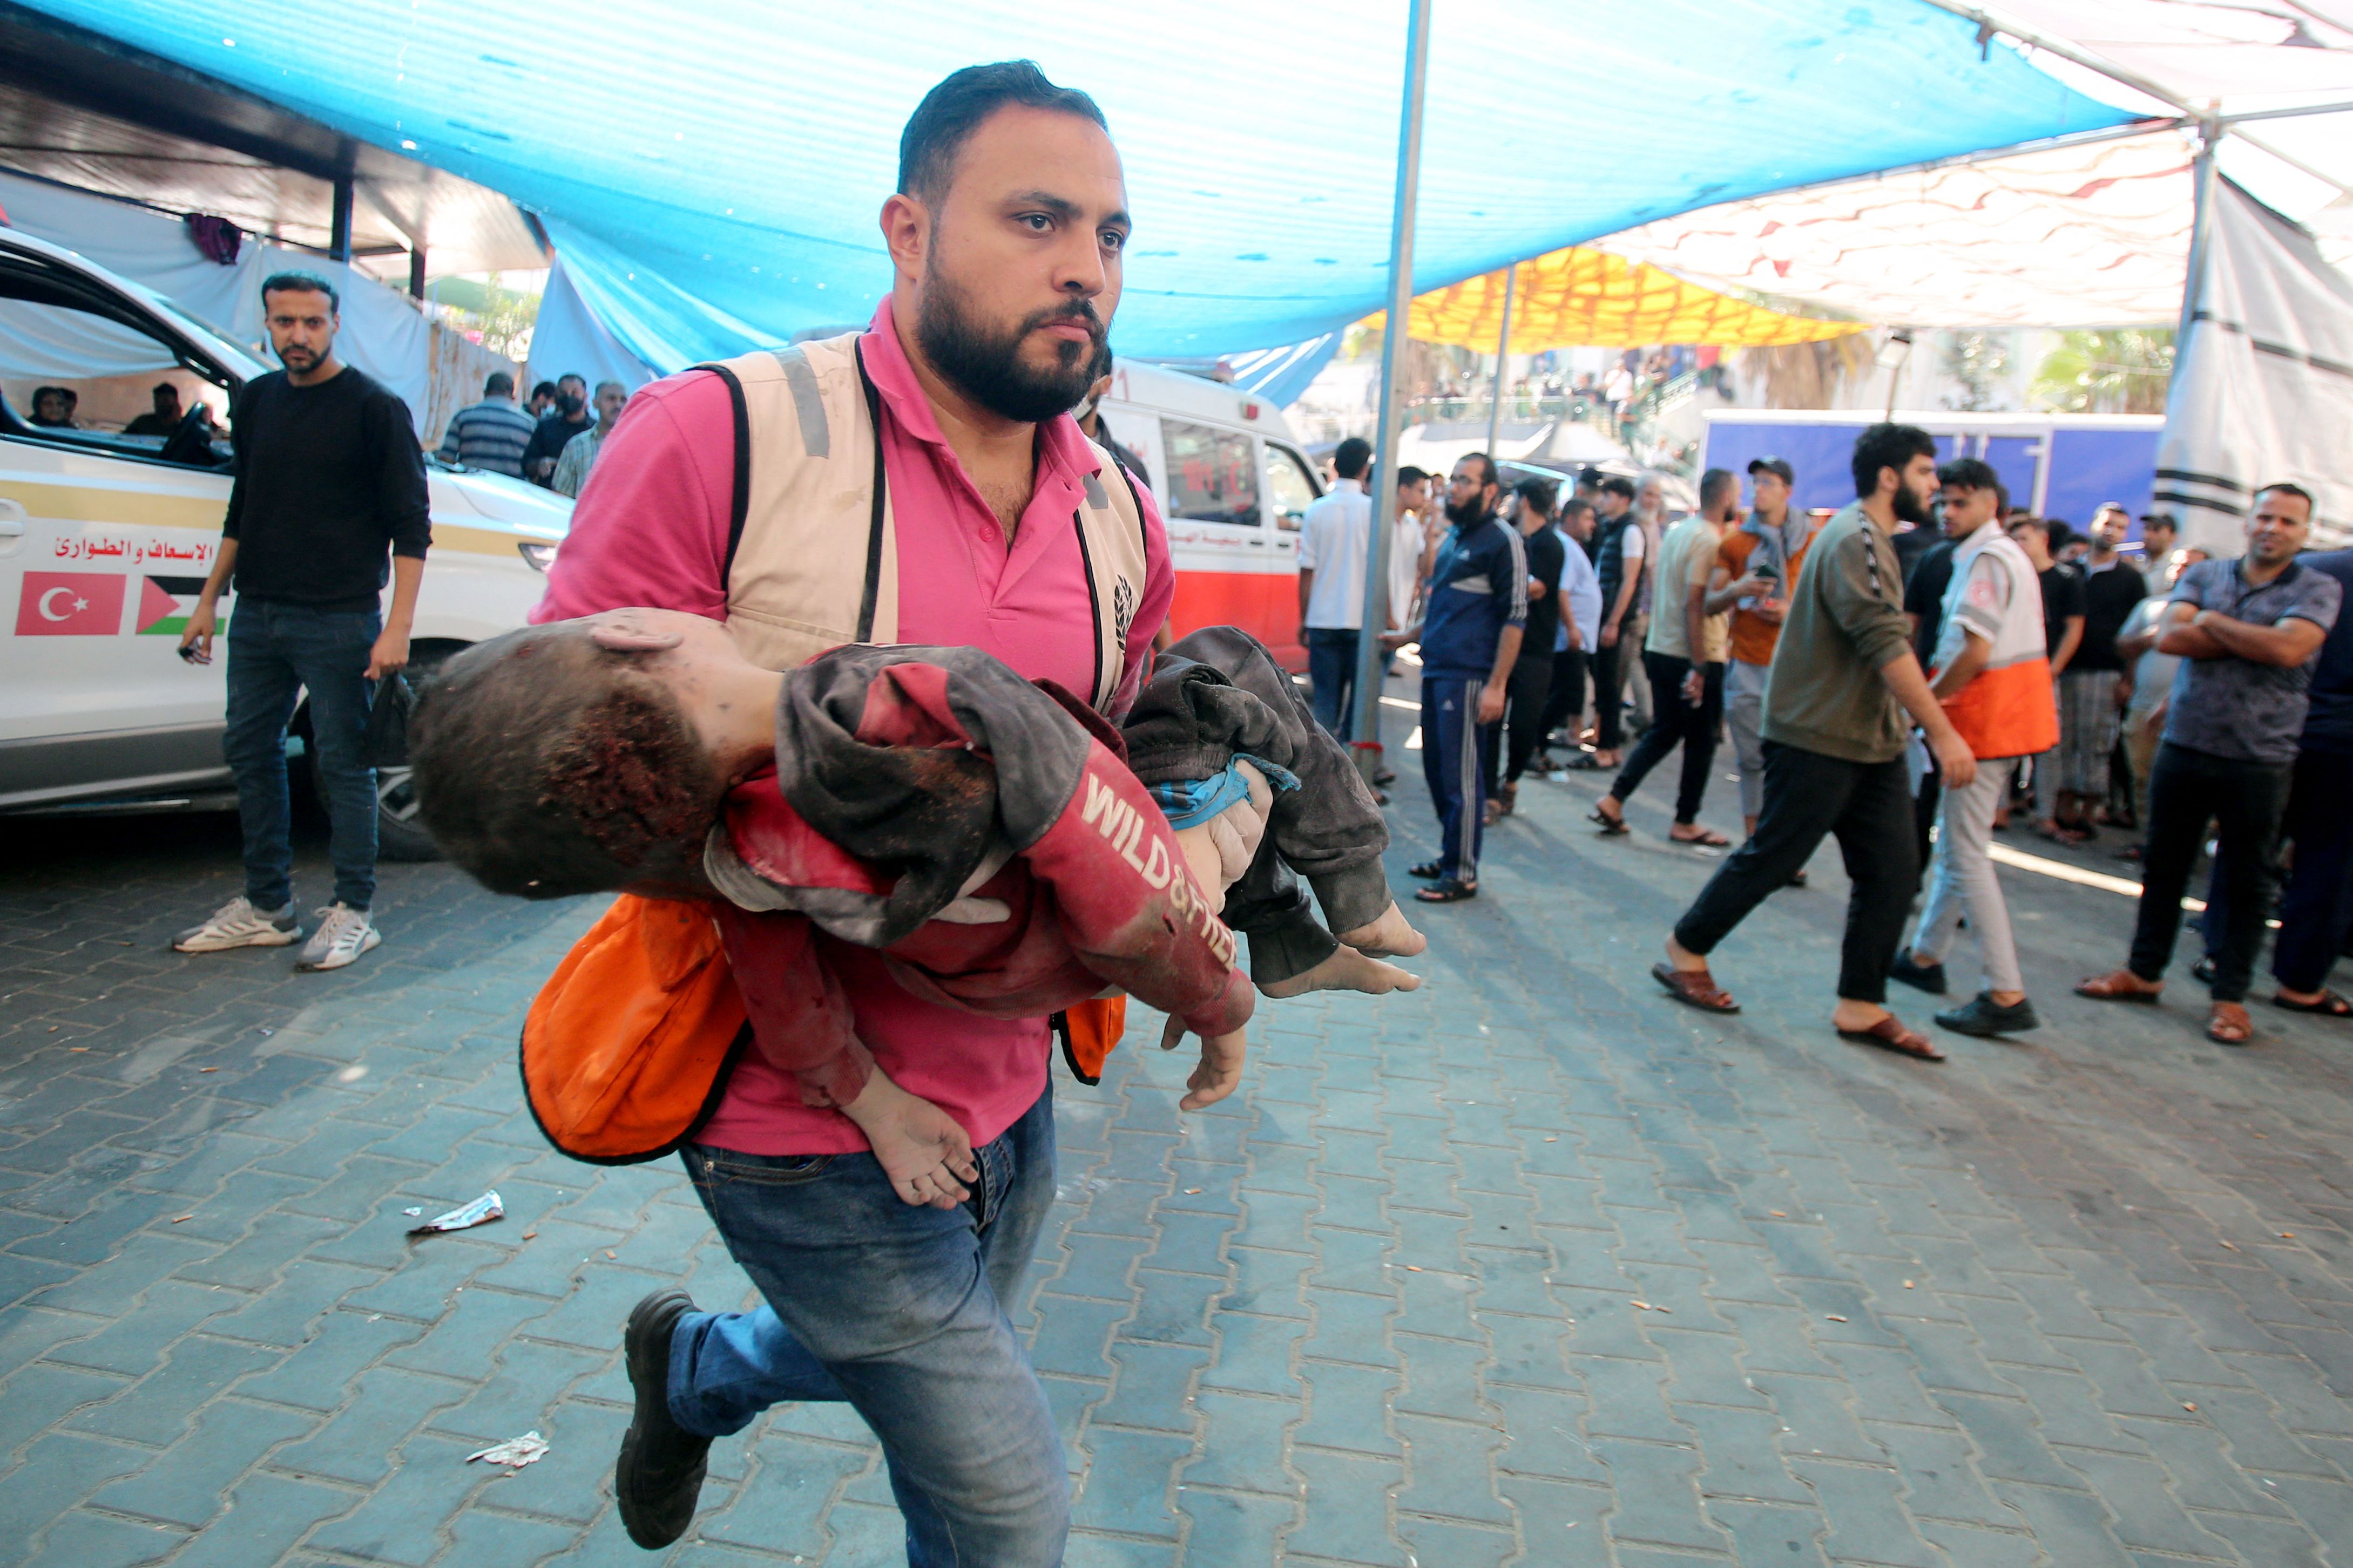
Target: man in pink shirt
{"points": [[1005, 237]]}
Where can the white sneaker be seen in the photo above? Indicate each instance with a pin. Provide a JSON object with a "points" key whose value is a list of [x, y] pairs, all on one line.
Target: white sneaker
{"points": [[238, 923], [343, 935]]}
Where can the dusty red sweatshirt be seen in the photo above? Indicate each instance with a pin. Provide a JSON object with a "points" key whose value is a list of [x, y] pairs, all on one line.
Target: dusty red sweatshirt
{"points": [[930, 804]]}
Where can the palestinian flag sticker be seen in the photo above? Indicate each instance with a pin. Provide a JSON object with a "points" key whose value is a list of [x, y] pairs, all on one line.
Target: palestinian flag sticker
{"points": [[165, 603]]}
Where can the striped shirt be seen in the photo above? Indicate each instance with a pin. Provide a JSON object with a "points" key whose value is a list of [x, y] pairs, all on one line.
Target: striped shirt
{"points": [[489, 436]]}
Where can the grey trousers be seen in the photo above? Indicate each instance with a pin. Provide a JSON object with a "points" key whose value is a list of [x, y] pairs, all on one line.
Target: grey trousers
{"points": [[1634, 637], [1960, 877], [1744, 715]]}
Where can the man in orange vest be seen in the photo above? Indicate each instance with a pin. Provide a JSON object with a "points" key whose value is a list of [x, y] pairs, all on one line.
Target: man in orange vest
{"points": [[1005, 237], [1992, 672]]}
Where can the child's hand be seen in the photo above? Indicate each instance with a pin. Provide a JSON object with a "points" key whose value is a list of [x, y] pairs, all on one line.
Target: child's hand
{"points": [[1220, 1072], [921, 1148]]}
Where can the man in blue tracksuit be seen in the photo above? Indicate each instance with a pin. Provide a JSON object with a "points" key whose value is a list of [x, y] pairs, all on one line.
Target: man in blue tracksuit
{"points": [[1470, 636]]}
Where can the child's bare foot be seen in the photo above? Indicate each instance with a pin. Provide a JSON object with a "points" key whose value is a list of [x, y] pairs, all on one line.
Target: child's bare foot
{"points": [[921, 1148], [1221, 1071], [1389, 935], [1347, 970]]}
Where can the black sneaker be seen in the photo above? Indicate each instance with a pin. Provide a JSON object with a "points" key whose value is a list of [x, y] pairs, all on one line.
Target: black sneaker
{"points": [[1928, 977], [1982, 1014], [659, 1473]]}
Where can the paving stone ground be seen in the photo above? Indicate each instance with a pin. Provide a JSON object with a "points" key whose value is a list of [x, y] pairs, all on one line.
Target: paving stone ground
{"points": [[1531, 1267]]}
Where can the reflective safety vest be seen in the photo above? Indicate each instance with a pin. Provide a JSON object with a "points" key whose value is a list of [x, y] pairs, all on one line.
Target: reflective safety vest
{"points": [[2008, 709], [812, 548], [627, 1050]]}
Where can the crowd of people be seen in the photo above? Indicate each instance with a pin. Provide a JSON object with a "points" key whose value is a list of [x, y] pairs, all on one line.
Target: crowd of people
{"points": [[554, 441], [1898, 663], [1902, 675]]}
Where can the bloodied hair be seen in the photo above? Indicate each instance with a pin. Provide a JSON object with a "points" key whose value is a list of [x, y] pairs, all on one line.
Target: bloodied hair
{"points": [[547, 766]]}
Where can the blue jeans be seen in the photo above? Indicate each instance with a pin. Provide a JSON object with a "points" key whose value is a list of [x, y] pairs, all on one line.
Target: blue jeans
{"points": [[1454, 752], [277, 651], [1332, 670], [902, 1312]]}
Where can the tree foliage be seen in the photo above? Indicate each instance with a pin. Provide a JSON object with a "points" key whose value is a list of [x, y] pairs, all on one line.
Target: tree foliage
{"points": [[2124, 371], [1977, 361]]}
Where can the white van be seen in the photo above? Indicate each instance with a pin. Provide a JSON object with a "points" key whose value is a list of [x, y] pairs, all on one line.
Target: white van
{"points": [[105, 539], [1233, 483]]}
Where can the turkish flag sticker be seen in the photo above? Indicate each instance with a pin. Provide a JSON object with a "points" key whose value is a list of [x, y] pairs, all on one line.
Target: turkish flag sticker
{"points": [[70, 604]]}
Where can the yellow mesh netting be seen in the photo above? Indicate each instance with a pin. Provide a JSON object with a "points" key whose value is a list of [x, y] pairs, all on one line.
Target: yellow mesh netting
{"points": [[1578, 297]]}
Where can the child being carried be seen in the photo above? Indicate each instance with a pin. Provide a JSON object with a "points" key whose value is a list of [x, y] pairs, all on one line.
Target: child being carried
{"points": [[979, 831]]}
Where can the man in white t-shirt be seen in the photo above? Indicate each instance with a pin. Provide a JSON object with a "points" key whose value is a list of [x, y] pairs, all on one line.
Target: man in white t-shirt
{"points": [[1333, 538], [1409, 555]]}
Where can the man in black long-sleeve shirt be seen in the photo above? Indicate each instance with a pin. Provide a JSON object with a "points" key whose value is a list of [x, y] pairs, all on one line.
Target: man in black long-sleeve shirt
{"points": [[329, 478]]}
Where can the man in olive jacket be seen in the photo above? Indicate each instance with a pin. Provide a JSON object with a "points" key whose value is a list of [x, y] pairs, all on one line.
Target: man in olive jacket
{"points": [[1843, 681]]}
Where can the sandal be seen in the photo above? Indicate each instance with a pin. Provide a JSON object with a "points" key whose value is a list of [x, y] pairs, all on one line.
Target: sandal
{"points": [[2229, 1025], [1429, 870], [2119, 986], [1452, 891], [1705, 838], [1694, 988], [1507, 796], [1889, 1034], [2329, 1004], [1611, 826]]}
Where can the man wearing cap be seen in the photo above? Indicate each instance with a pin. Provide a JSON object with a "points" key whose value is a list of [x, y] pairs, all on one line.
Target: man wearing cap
{"points": [[1753, 568]]}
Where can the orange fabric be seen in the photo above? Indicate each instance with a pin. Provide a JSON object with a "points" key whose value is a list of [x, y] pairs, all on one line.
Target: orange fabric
{"points": [[1089, 1031], [2007, 713], [624, 1047], [1753, 637]]}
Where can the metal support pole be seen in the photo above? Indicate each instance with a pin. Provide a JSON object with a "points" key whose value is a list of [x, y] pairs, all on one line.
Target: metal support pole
{"points": [[1367, 725], [2201, 183], [339, 231], [1502, 355], [417, 273]]}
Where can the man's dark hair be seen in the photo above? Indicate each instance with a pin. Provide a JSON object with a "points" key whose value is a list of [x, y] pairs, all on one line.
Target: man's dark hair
{"points": [[571, 375], [2036, 524], [2311, 507], [164, 386], [546, 767], [498, 384], [1539, 493], [2060, 530], [960, 104], [2164, 520], [301, 282], [1887, 447], [1588, 478], [1494, 475], [1410, 475], [1970, 474], [1350, 458], [544, 389], [1618, 485], [1712, 485], [1574, 505]]}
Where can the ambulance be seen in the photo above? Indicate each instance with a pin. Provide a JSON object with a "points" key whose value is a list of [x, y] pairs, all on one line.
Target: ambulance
{"points": [[1233, 484], [105, 539]]}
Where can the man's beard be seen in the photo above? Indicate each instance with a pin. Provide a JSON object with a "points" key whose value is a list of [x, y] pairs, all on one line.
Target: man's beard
{"points": [[988, 369], [294, 357], [1470, 511], [1909, 506]]}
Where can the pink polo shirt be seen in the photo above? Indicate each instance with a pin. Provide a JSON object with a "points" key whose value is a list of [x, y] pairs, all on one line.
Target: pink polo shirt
{"points": [[651, 529]]}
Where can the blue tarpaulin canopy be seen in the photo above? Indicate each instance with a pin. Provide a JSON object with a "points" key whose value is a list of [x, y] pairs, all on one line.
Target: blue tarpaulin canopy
{"points": [[711, 174]]}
